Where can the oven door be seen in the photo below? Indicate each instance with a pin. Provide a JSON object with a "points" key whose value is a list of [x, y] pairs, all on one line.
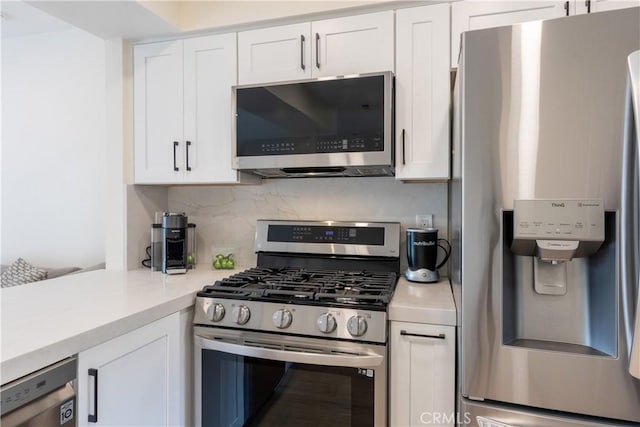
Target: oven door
{"points": [[250, 379]]}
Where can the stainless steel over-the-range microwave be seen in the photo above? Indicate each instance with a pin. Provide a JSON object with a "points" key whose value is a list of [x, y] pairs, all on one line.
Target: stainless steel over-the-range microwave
{"points": [[340, 126]]}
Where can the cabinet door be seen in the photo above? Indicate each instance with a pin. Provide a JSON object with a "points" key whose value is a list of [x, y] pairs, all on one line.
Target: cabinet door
{"points": [[422, 93], [274, 54], [157, 79], [139, 382], [590, 6], [354, 44], [422, 375], [479, 14], [209, 73]]}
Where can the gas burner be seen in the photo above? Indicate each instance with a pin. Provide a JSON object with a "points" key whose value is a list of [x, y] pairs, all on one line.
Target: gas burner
{"points": [[293, 285]]}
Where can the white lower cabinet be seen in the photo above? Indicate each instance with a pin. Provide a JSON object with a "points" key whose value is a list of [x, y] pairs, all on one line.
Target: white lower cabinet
{"points": [[137, 379], [422, 390]]}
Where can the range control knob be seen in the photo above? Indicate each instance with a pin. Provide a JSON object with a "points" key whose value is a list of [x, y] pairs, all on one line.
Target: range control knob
{"points": [[215, 312], [357, 326], [241, 314], [282, 318], [326, 323]]}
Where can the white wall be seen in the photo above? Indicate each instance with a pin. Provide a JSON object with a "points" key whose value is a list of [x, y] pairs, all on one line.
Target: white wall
{"points": [[199, 15], [53, 149]]}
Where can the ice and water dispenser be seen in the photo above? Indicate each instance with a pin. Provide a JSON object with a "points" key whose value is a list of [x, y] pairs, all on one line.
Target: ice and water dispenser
{"points": [[559, 276]]}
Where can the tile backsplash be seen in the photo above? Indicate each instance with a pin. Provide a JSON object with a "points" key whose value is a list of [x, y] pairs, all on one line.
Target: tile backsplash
{"points": [[225, 216]]}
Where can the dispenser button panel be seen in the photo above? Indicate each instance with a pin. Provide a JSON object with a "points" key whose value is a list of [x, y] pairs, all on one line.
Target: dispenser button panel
{"points": [[581, 220]]}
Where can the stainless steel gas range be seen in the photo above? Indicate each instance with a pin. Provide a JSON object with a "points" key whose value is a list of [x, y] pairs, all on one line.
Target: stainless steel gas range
{"points": [[301, 339]]}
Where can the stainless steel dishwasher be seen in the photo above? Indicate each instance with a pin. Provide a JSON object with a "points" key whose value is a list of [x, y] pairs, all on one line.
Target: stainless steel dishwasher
{"points": [[44, 398]]}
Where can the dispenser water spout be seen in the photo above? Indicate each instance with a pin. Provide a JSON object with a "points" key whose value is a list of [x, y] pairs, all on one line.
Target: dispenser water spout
{"points": [[556, 251]]}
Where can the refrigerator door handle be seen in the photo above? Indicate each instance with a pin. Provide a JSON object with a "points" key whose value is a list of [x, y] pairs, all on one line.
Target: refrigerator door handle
{"points": [[630, 218]]}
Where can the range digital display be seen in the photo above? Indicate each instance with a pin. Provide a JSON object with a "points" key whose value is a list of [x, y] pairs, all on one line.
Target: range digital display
{"points": [[326, 234]]}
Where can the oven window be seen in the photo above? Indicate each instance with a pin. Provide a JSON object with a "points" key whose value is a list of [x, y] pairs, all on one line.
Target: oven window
{"points": [[245, 391]]}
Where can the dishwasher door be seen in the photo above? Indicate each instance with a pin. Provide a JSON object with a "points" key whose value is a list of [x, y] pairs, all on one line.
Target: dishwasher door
{"points": [[45, 398]]}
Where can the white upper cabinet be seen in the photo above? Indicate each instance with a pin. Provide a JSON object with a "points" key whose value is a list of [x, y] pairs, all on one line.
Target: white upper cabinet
{"points": [[352, 45], [182, 111], [209, 73], [157, 111], [479, 14], [275, 54], [590, 6], [349, 45], [422, 93]]}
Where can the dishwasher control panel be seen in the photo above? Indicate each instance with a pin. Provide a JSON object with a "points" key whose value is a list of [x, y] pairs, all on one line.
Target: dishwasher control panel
{"points": [[20, 392]]}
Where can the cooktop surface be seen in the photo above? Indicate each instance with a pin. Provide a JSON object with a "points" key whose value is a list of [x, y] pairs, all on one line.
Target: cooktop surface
{"points": [[335, 288]]}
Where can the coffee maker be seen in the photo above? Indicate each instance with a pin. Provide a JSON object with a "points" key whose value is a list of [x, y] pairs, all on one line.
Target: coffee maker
{"points": [[172, 244], [422, 255]]}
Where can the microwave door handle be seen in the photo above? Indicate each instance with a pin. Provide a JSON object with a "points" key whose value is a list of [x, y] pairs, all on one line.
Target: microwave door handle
{"points": [[351, 361]]}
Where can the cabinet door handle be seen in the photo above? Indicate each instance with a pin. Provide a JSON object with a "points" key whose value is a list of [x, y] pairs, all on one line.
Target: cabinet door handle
{"points": [[187, 150], [318, 51], [409, 334], [566, 8], [93, 418], [302, 52], [588, 4], [403, 132], [175, 166]]}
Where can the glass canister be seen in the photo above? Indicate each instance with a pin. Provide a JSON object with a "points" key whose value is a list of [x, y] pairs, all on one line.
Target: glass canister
{"points": [[156, 247], [191, 245]]}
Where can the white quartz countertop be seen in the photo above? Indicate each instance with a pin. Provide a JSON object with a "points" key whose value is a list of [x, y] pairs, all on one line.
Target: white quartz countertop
{"points": [[423, 303], [47, 321]]}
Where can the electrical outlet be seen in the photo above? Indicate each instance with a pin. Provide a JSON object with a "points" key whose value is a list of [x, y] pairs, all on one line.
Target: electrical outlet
{"points": [[424, 220]]}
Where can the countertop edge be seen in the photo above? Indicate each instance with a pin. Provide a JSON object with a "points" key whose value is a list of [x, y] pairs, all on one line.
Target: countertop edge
{"points": [[423, 303], [17, 367], [27, 363]]}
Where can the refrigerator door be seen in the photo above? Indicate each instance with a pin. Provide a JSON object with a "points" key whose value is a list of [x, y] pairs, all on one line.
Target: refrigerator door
{"points": [[630, 223], [542, 112]]}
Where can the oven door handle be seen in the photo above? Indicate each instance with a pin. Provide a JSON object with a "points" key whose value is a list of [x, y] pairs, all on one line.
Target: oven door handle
{"points": [[351, 361]]}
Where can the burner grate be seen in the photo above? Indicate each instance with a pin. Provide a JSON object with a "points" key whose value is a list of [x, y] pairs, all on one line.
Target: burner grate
{"points": [[318, 287]]}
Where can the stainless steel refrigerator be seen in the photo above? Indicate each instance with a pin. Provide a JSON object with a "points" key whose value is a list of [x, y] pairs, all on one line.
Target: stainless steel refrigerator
{"points": [[545, 234]]}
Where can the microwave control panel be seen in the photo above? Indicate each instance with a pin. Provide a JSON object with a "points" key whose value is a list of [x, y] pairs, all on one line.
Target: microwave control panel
{"points": [[310, 146], [581, 220]]}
